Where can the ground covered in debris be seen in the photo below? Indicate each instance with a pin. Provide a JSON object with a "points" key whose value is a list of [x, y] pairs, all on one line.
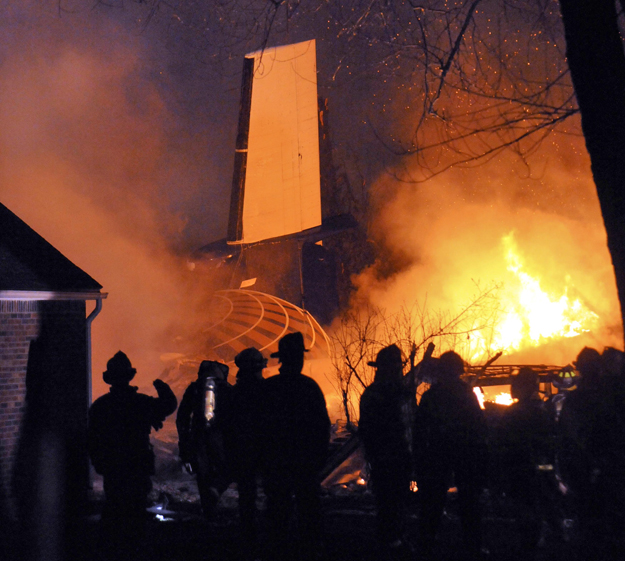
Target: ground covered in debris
{"points": [[178, 532]]}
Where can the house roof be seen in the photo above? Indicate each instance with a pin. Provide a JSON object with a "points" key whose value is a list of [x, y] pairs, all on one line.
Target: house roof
{"points": [[29, 263]]}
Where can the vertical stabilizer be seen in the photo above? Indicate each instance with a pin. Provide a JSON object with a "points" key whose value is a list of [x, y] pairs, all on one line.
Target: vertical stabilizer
{"points": [[276, 185]]}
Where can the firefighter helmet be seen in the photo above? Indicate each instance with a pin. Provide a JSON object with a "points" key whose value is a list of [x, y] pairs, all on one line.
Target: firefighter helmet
{"points": [[250, 359], [290, 346], [450, 366], [213, 369], [565, 379], [119, 370], [388, 357]]}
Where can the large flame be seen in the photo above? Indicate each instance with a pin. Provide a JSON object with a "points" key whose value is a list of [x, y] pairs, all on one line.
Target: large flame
{"points": [[533, 314], [529, 315]]}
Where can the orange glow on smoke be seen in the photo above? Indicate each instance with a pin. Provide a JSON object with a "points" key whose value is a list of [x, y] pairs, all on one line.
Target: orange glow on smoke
{"points": [[522, 259]]}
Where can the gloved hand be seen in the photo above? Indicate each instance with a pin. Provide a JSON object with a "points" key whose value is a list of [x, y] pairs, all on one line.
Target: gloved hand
{"points": [[159, 385], [165, 404]]}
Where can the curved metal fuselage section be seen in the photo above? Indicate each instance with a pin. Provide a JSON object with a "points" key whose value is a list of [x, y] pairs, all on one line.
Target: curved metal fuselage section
{"points": [[247, 318]]}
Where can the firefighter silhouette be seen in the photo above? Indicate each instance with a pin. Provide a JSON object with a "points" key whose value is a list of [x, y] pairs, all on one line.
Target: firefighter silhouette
{"points": [[383, 429], [528, 453], [591, 458], [245, 440], [120, 423], [453, 448], [202, 421], [297, 434]]}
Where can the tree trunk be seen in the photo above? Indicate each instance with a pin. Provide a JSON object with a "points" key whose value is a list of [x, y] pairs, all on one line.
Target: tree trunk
{"points": [[597, 62]]}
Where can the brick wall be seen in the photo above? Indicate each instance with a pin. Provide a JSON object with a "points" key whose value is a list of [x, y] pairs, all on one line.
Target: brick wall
{"points": [[43, 397], [19, 325]]}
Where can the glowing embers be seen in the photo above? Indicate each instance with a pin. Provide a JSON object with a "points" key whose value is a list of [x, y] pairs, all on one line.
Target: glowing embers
{"points": [[504, 398], [530, 315]]}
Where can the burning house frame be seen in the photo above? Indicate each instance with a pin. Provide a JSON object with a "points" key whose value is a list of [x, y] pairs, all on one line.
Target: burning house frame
{"points": [[501, 377]]}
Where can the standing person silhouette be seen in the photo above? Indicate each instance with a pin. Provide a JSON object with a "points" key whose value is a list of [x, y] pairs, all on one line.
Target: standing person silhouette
{"points": [[383, 429], [297, 437], [245, 440], [527, 434], [120, 423], [453, 437], [202, 421], [591, 458]]}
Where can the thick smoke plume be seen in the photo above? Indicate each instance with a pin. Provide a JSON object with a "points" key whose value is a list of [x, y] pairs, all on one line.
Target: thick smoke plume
{"points": [[107, 161], [454, 233]]}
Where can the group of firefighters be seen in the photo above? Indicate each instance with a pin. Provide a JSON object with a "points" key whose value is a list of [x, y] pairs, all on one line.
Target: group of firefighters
{"points": [[551, 459], [277, 431], [443, 437]]}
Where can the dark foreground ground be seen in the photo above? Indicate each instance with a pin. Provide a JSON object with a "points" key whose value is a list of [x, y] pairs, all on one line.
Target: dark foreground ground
{"points": [[178, 532]]}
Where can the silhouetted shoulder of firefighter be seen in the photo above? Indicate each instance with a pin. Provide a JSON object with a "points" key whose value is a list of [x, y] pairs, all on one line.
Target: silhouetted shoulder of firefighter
{"points": [[383, 429], [297, 438], [527, 427], [119, 429], [246, 430], [381, 426], [203, 419], [591, 427], [454, 445], [449, 412], [191, 420], [591, 458], [297, 422], [120, 421], [246, 444]]}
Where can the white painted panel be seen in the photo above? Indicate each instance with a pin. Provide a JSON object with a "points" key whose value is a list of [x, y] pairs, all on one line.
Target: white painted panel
{"points": [[282, 187]]}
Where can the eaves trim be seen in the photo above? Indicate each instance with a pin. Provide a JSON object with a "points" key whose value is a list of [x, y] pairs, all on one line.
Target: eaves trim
{"points": [[50, 295]]}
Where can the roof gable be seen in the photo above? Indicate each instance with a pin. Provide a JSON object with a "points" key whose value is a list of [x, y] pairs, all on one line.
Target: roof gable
{"points": [[29, 263]]}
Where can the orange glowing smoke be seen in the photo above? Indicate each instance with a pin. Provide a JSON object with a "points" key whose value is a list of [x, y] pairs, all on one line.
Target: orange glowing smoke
{"points": [[95, 161], [538, 242]]}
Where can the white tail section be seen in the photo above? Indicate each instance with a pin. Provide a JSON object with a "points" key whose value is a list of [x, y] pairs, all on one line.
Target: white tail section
{"points": [[281, 188]]}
